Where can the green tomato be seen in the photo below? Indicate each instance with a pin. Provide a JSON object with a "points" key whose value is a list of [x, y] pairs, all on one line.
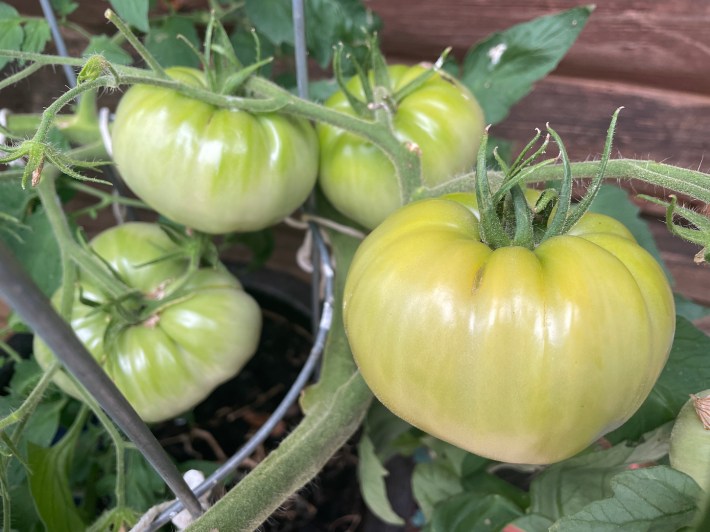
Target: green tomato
{"points": [[442, 118], [213, 169], [174, 358], [690, 440], [518, 355]]}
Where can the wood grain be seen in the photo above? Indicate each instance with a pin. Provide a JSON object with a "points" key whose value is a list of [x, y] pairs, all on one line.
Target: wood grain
{"points": [[655, 124], [659, 44]]}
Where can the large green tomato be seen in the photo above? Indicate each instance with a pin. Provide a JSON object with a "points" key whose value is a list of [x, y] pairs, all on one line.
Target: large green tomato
{"points": [[174, 358], [442, 118], [519, 355], [212, 169]]}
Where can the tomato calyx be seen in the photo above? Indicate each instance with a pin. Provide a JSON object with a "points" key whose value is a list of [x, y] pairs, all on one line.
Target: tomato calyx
{"points": [[506, 216]]}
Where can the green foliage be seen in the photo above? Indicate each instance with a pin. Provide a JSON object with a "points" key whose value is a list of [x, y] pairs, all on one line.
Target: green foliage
{"points": [[166, 42], [652, 499], [49, 483], [35, 247], [328, 22], [502, 69], [104, 45], [134, 12], [567, 487], [467, 513], [20, 33], [372, 475], [64, 7]]}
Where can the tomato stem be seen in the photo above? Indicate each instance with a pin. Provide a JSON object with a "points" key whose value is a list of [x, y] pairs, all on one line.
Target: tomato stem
{"points": [[135, 42], [83, 258]]}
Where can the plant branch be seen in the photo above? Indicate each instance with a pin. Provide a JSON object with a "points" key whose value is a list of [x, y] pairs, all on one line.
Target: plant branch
{"points": [[406, 161], [83, 258], [30, 404], [682, 180]]}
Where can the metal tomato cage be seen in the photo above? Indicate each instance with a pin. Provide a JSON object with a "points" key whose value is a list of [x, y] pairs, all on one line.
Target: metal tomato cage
{"points": [[23, 295]]}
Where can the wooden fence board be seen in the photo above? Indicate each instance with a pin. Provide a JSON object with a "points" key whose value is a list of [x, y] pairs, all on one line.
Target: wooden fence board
{"points": [[661, 44]]}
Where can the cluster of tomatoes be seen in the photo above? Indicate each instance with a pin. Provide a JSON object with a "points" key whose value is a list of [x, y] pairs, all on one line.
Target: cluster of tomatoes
{"points": [[521, 355]]}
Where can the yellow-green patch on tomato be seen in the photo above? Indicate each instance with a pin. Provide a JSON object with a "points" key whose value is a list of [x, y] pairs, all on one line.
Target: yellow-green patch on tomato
{"points": [[519, 355], [173, 359], [213, 169], [442, 118]]}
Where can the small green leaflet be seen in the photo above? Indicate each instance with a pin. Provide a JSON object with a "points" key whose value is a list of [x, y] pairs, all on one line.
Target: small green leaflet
{"points": [[567, 487], [468, 512], [502, 69], [37, 250], [134, 12], [103, 45], [372, 475], [18, 33], [168, 49], [64, 7], [11, 34], [273, 18], [37, 35], [49, 481]]}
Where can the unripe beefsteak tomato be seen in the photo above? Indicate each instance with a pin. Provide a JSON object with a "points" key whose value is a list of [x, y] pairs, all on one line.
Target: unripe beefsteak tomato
{"points": [[213, 169], [519, 355], [442, 118], [173, 359]]}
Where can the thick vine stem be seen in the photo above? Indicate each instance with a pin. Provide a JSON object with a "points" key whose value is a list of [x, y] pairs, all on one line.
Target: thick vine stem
{"points": [[83, 258], [405, 160], [681, 180]]}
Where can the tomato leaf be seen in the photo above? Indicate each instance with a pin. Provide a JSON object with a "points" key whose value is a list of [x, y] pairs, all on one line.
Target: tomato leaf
{"points": [[11, 34], [656, 498], [37, 35], [372, 473], [502, 69], [432, 483], [134, 12], [64, 7], [687, 371], [102, 44], [385, 431], [14, 200], [484, 483], [614, 201], [467, 512], [567, 487], [336, 21], [163, 42], [144, 487], [273, 18], [528, 523], [49, 484], [245, 46], [38, 251]]}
